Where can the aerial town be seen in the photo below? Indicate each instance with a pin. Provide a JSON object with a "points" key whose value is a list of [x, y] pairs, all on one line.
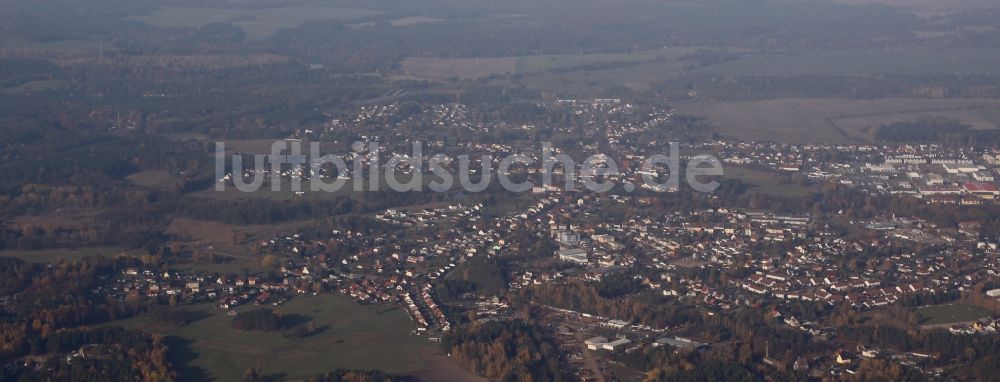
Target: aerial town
{"points": [[809, 273], [500, 191]]}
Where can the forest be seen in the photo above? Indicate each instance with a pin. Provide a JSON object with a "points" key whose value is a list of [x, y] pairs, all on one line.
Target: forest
{"points": [[359, 376], [260, 320], [106, 354], [504, 350]]}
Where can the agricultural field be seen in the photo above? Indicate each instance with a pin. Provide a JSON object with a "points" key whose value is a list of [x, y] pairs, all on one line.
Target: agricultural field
{"points": [[257, 23], [604, 82], [472, 68], [846, 62], [950, 314], [924, 5], [832, 120], [348, 336], [786, 120], [460, 68], [543, 63], [400, 22]]}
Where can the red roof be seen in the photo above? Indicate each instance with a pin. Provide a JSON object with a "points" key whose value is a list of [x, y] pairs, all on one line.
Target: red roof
{"points": [[981, 187]]}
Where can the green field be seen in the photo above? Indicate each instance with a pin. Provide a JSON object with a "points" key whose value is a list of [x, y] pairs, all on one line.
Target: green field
{"points": [[542, 63], [764, 182], [33, 86], [950, 314], [349, 336], [636, 67], [902, 61], [258, 23]]}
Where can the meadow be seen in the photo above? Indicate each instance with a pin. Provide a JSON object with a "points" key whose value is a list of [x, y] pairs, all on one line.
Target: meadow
{"points": [[764, 182], [347, 336], [950, 314]]}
